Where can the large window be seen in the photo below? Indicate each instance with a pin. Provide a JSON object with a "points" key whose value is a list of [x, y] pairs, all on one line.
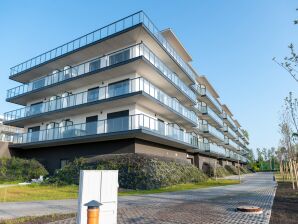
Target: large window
{"points": [[94, 65], [91, 125], [118, 88], [33, 134], [35, 108], [118, 121], [92, 94], [119, 57]]}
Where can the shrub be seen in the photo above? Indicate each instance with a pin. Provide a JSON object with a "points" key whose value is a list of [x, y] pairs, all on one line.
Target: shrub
{"points": [[17, 169], [136, 171], [231, 169], [220, 171]]}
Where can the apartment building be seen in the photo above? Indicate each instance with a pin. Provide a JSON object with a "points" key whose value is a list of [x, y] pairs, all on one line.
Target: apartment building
{"points": [[124, 88]]}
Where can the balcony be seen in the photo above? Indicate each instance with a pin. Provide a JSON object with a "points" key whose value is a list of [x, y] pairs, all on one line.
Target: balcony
{"points": [[207, 97], [216, 150], [230, 122], [10, 129], [101, 64], [233, 145], [211, 116], [97, 36], [99, 95], [211, 133], [101, 128]]}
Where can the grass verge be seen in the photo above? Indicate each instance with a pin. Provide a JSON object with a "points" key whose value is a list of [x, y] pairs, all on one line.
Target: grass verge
{"points": [[37, 192], [38, 219], [181, 187]]}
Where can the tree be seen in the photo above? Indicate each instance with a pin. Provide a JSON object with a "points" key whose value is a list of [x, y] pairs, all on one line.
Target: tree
{"points": [[289, 157], [290, 62]]}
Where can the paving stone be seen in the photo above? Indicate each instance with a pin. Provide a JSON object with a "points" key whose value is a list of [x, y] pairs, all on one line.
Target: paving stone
{"points": [[213, 205]]}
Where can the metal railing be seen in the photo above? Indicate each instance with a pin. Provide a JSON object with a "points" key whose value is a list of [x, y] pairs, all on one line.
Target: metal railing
{"points": [[104, 62], [104, 32], [132, 122], [106, 92]]}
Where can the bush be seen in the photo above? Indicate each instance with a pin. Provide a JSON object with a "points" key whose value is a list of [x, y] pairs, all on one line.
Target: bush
{"points": [[17, 169], [220, 171], [231, 169], [136, 171]]}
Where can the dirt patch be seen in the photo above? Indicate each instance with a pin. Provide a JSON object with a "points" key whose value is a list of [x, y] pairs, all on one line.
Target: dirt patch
{"points": [[285, 205]]}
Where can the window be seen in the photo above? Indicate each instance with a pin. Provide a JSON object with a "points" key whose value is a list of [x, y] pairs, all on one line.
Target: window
{"points": [[94, 65], [38, 84], [91, 125], [33, 134], [118, 88], [118, 121], [119, 57], [161, 126], [35, 108], [92, 94]]}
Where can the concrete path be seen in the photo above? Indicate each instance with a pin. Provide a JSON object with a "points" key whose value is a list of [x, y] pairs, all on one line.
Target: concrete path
{"points": [[211, 205]]}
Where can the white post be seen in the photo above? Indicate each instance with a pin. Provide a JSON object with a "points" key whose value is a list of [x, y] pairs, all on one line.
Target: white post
{"points": [[101, 186]]}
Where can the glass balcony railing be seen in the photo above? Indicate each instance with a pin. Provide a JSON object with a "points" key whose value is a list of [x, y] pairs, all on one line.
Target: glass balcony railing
{"points": [[104, 62], [10, 129], [204, 92], [104, 32], [213, 131], [213, 148], [234, 127], [112, 90], [241, 141], [212, 114], [233, 144], [233, 133], [133, 122]]}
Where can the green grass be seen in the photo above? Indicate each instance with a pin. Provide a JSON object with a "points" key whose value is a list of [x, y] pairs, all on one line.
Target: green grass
{"points": [[279, 178], [181, 187], [38, 219], [36, 192], [10, 182]]}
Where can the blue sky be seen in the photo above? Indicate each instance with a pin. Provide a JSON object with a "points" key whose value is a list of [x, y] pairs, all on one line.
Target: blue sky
{"points": [[232, 42]]}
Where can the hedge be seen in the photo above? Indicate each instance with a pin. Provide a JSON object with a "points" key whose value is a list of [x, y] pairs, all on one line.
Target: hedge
{"points": [[17, 169], [136, 171]]}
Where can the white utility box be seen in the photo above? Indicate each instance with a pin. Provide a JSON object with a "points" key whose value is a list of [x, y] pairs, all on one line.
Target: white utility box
{"points": [[101, 186]]}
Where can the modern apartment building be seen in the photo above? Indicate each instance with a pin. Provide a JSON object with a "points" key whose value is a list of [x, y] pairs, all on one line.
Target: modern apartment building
{"points": [[124, 88]]}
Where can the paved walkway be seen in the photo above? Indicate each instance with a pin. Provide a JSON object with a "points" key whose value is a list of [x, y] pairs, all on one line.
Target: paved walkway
{"points": [[212, 205]]}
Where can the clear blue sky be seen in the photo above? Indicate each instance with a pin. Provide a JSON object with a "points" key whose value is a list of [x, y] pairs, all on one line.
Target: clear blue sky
{"points": [[232, 42]]}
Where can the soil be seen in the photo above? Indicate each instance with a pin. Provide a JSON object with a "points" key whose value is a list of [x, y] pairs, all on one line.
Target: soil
{"points": [[285, 205]]}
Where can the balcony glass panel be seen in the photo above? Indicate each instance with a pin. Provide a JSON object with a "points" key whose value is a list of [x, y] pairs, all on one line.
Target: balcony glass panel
{"points": [[204, 92], [127, 22], [133, 122], [208, 128], [112, 90], [103, 62], [217, 149]]}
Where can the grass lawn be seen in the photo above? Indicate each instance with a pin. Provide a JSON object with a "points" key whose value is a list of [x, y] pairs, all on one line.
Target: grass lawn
{"points": [[38, 219], [181, 187], [37, 192]]}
